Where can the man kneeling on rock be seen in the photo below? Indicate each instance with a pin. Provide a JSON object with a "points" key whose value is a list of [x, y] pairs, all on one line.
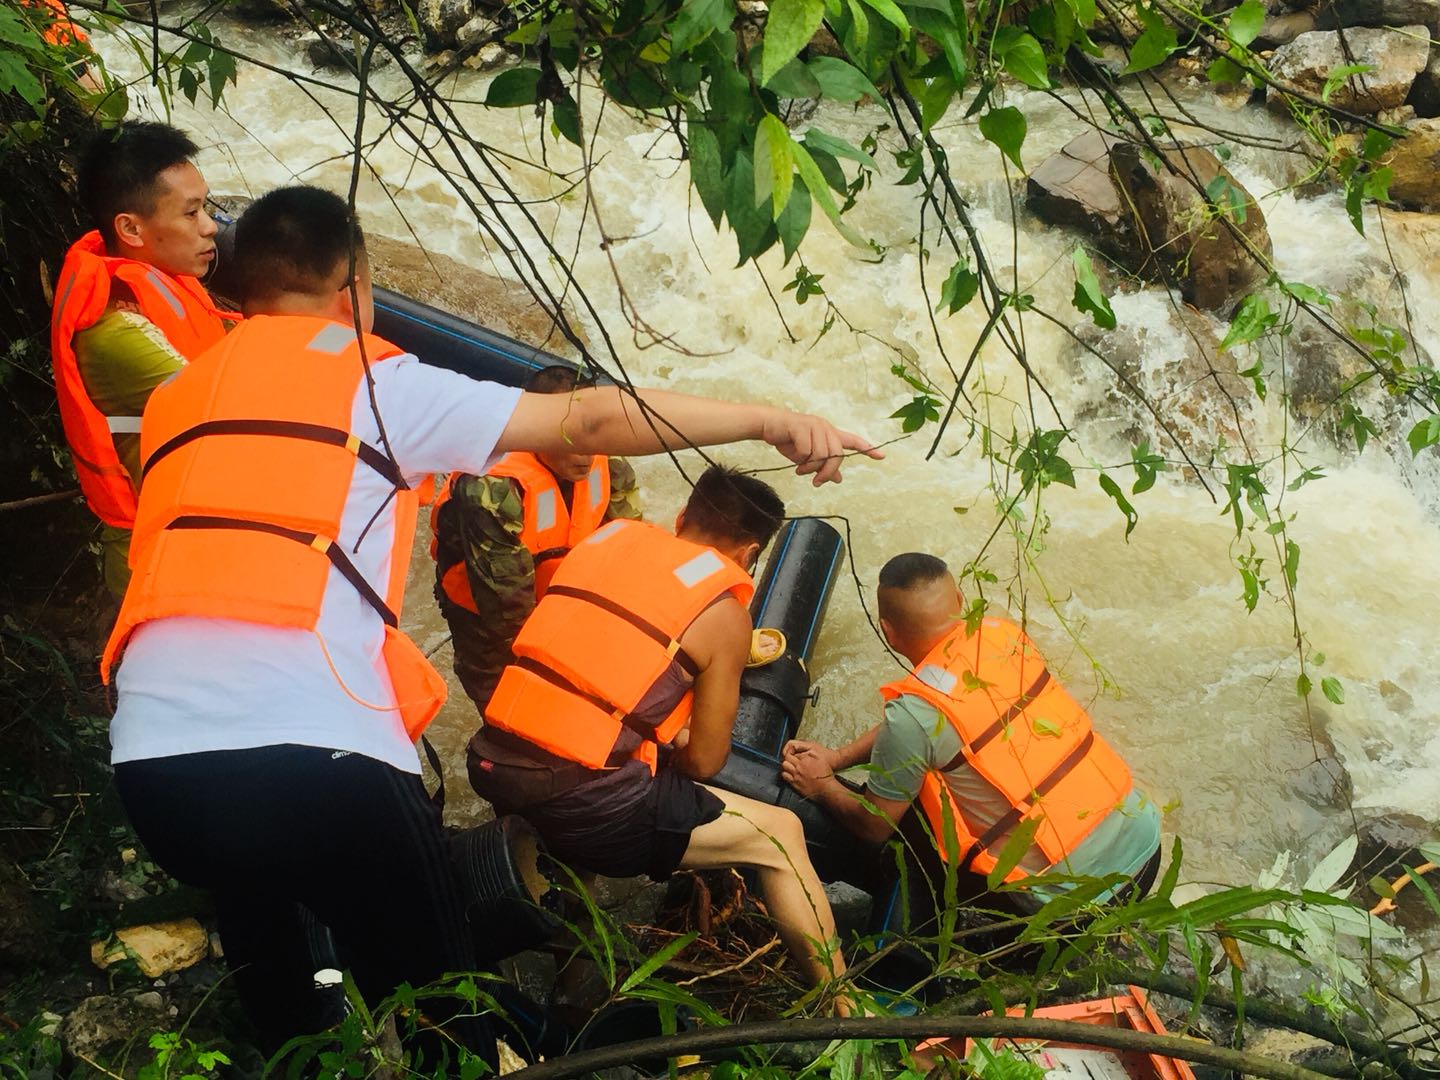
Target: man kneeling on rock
{"points": [[622, 698], [989, 743]]}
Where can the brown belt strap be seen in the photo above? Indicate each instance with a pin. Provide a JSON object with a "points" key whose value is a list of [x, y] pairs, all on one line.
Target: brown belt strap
{"points": [[288, 429]]}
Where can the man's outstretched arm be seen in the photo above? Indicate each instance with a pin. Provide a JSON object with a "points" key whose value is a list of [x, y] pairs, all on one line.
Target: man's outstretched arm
{"points": [[607, 420]]}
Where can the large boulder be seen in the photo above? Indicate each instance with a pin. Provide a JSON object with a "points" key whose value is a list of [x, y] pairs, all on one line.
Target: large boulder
{"points": [[1183, 239], [441, 20], [157, 948], [105, 1023], [1415, 165], [1283, 28], [1395, 56], [1335, 14]]}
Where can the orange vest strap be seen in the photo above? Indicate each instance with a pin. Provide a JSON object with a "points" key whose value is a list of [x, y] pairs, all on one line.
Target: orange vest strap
{"points": [[1015, 814], [649, 629], [324, 544], [291, 429], [647, 732]]}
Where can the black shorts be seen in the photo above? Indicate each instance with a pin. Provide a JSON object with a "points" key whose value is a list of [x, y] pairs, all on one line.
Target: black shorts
{"points": [[621, 822]]}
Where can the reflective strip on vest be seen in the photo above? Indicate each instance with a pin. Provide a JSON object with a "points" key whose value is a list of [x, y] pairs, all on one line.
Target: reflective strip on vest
{"points": [[594, 480], [702, 566], [166, 293], [123, 425], [545, 511], [936, 676], [334, 339], [605, 531]]}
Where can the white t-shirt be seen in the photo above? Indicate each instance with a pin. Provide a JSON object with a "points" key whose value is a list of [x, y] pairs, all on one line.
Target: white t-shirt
{"points": [[188, 685]]}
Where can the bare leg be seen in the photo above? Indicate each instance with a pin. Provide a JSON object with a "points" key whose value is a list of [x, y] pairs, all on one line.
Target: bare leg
{"points": [[770, 839]]}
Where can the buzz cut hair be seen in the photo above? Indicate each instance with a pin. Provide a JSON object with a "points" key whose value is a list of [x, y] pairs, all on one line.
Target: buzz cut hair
{"points": [[119, 170], [295, 240], [728, 505], [911, 569]]}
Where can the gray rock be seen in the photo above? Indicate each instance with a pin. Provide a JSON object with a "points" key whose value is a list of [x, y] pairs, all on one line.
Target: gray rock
{"points": [[101, 1024], [441, 20], [150, 999], [479, 29], [1283, 28], [328, 53], [1425, 93], [1334, 14], [1415, 165], [1182, 241], [1396, 57], [1074, 188], [488, 57]]}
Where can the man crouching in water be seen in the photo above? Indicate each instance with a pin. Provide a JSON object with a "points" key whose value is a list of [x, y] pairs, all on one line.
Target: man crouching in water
{"points": [[622, 698]]}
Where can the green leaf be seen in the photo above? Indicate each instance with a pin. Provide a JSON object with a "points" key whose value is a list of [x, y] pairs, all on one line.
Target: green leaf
{"points": [[656, 962], [1333, 690], [1005, 128], [514, 88], [1088, 295], [810, 173], [1224, 71], [1292, 566], [1014, 850], [794, 81], [1252, 319], [754, 229], [1424, 434], [1303, 685], [914, 415], [1154, 45], [1245, 22], [887, 10], [1113, 490], [788, 29], [1331, 869], [959, 289], [567, 119], [774, 163], [793, 222], [1338, 76], [1376, 144], [1024, 58], [818, 141], [706, 172], [221, 70], [840, 81], [697, 20]]}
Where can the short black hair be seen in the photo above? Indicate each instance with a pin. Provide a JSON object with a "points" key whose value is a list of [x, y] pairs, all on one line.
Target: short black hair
{"points": [[728, 505], [558, 379], [119, 170], [911, 569], [295, 240]]}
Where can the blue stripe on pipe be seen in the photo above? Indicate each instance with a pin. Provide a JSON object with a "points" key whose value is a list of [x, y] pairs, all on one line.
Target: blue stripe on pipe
{"points": [[534, 364]]}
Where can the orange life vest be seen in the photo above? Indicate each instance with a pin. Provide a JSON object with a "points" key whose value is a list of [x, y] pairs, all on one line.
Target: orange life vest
{"points": [[550, 528], [1023, 733], [178, 306], [59, 30], [605, 631], [248, 459]]}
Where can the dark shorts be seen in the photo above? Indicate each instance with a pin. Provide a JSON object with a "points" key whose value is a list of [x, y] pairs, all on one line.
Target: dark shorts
{"points": [[619, 822]]}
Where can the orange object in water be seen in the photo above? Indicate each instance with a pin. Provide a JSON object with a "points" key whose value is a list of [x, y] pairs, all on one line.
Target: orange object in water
{"points": [[1063, 1061]]}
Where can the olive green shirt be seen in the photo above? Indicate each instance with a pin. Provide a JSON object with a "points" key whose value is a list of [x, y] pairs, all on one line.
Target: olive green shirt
{"points": [[481, 523], [122, 359]]}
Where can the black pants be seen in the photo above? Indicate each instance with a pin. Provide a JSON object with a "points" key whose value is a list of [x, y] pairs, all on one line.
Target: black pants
{"points": [[352, 839]]}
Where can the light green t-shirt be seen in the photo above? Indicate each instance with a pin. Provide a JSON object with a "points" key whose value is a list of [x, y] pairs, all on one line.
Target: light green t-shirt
{"points": [[915, 738], [122, 359]]}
